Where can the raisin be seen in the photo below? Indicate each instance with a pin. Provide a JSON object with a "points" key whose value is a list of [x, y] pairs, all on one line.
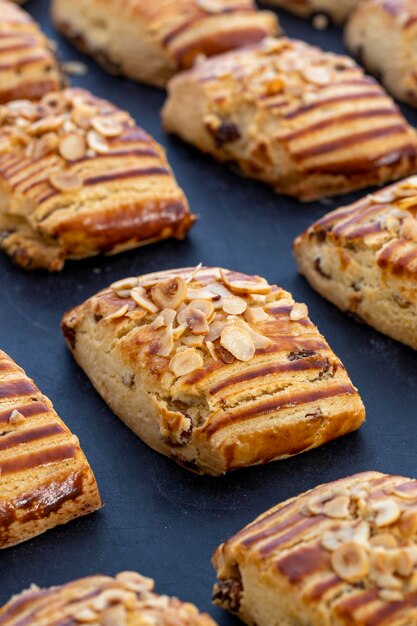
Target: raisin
{"points": [[226, 133]]}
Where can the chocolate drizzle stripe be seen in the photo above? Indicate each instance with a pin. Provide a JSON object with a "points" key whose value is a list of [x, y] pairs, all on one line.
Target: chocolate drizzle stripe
{"points": [[36, 459], [270, 370], [348, 140], [28, 410], [149, 171], [282, 402], [28, 435], [16, 388], [361, 95], [339, 119]]}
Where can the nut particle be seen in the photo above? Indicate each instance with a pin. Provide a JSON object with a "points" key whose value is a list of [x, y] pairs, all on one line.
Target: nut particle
{"points": [[237, 341], [350, 562], [299, 312], [185, 362]]}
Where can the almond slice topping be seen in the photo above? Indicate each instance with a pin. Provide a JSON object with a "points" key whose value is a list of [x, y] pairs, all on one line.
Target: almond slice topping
{"points": [[350, 562], [65, 181], [97, 142], [16, 418], [119, 313], [237, 341], [337, 507], [169, 294], [408, 523], [299, 312], [234, 305], [185, 362], [239, 283], [256, 314], [107, 127], [72, 147], [197, 321], [125, 283], [138, 295]]}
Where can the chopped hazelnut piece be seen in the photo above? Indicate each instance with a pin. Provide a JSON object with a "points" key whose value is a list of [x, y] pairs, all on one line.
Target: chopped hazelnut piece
{"points": [[138, 295], [337, 507], [72, 146], [16, 418], [237, 341], [186, 362], [350, 562], [387, 512], [107, 127], [119, 313], [97, 142], [65, 181], [234, 305], [408, 523], [299, 312], [169, 294]]}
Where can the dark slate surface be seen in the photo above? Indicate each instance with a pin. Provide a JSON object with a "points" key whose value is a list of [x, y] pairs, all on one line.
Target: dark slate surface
{"points": [[158, 518]]}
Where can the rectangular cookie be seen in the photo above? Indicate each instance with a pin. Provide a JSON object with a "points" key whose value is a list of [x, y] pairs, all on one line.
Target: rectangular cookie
{"points": [[213, 368], [150, 42], [342, 554], [336, 10], [308, 122], [394, 22], [79, 178], [127, 599], [45, 479], [363, 258], [28, 67]]}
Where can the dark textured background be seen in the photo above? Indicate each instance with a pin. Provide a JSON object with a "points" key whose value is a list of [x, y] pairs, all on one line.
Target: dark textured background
{"points": [[160, 519]]}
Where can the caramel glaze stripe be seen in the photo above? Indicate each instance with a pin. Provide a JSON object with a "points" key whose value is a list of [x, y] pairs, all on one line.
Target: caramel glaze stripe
{"points": [[361, 95], [292, 366], [298, 529], [24, 462], [16, 438], [387, 252], [337, 119], [358, 216], [323, 586], [359, 165], [28, 410], [303, 562], [179, 30], [404, 261], [287, 400], [35, 58], [349, 140], [15, 388]]}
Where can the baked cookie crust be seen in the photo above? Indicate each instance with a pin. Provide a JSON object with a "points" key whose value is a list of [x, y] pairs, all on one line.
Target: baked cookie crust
{"points": [[308, 122], [79, 178], [45, 479], [213, 368], [363, 258], [395, 23], [150, 42], [342, 554], [127, 599], [28, 67]]}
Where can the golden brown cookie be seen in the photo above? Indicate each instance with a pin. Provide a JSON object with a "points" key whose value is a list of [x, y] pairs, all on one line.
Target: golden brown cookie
{"points": [[150, 41], [125, 600], [45, 479], [215, 369], [28, 68], [363, 258], [343, 554], [79, 178], [307, 122], [394, 22]]}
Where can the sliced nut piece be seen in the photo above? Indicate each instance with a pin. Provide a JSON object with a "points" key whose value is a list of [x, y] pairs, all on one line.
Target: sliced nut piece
{"points": [[44, 145], [403, 561], [409, 228], [215, 331], [196, 321], [260, 341], [212, 350], [119, 313], [97, 142], [299, 312], [389, 595], [168, 316], [138, 295], [205, 306], [123, 293], [316, 75], [85, 615], [383, 540], [199, 294], [255, 314], [115, 616], [72, 147], [234, 305], [169, 294], [239, 283], [138, 582], [408, 523], [193, 341], [237, 341], [82, 115], [224, 355], [387, 512], [166, 342], [45, 125], [186, 362], [65, 181], [107, 126], [350, 562], [108, 597], [16, 418], [337, 507], [125, 283]]}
